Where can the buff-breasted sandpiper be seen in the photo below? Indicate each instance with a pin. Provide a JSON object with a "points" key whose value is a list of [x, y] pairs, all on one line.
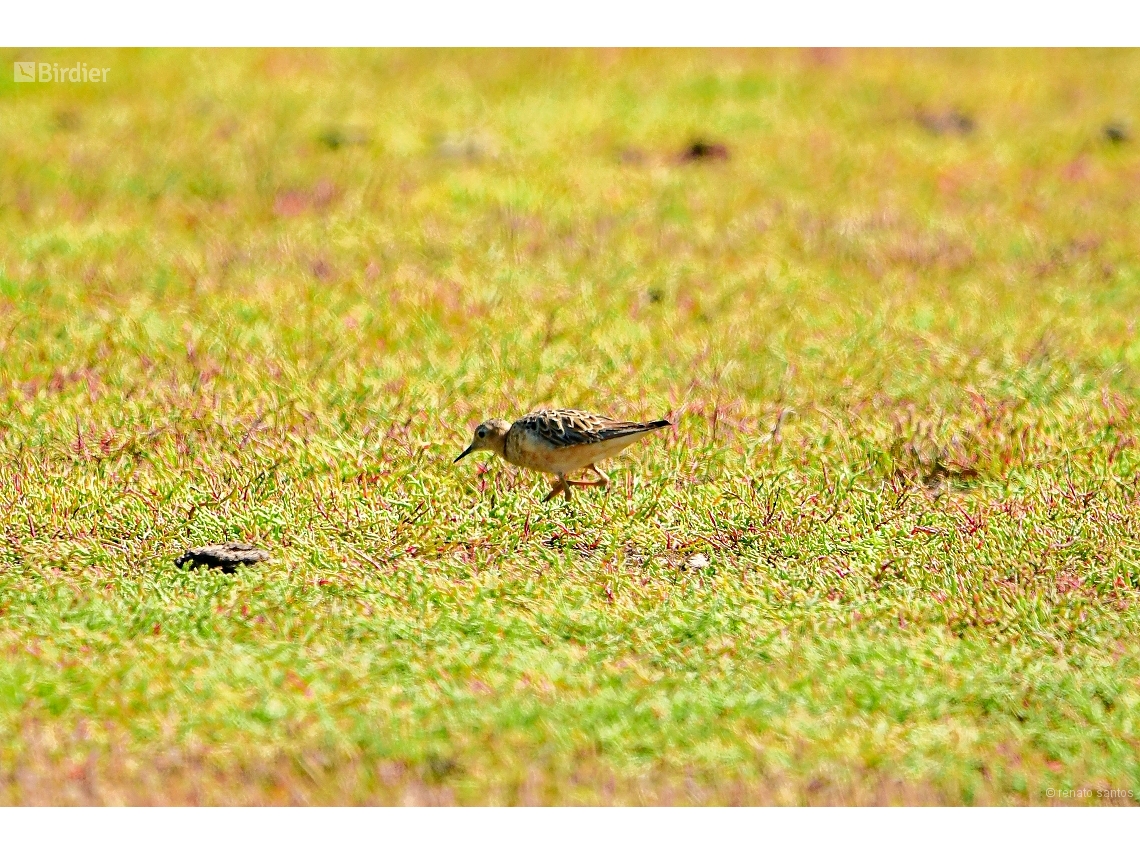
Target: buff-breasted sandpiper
{"points": [[559, 442]]}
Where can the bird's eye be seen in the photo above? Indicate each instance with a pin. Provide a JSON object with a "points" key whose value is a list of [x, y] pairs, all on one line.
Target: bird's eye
{"points": [[482, 434]]}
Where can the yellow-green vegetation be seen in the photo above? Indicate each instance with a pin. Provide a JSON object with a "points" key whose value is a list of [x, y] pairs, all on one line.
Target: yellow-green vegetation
{"points": [[265, 296]]}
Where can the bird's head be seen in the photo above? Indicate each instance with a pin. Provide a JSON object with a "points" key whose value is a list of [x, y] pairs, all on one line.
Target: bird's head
{"points": [[489, 436]]}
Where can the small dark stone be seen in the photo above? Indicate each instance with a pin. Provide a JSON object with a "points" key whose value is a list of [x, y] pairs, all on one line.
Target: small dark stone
{"points": [[332, 138], [227, 556], [439, 767], [1116, 133], [704, 150], [67, 120], [948, 122], [335, 138]]}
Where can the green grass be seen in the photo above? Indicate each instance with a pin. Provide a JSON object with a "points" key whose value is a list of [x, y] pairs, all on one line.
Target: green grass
{"points": [[266, 296]]}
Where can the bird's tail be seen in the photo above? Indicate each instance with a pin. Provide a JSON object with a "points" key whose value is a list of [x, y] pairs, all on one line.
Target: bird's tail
{"points": [[660, 423]]}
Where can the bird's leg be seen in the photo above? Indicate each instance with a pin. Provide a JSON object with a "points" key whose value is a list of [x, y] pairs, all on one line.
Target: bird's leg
{"points": [[562, 486], [603, 479]]}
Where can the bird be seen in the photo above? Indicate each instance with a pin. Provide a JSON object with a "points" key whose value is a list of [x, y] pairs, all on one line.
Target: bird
{"points": [[559, 442]]}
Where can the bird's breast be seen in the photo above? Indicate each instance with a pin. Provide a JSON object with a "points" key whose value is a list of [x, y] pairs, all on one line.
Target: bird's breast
{"points": [[523, 448]]}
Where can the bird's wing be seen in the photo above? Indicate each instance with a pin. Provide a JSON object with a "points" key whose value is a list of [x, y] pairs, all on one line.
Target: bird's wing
{"points": [[566, 428]]}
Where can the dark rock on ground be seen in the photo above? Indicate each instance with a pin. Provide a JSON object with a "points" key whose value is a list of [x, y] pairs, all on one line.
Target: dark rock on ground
{"points": [[948, 122], [704, 150], [335, 138], [226, 556], [1116, 132]]}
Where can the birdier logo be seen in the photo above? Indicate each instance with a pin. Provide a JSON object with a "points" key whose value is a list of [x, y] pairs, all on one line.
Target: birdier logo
{"points": [[53, 72]]}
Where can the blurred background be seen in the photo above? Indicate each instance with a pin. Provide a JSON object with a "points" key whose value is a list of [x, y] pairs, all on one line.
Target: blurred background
{"points": [[792, 210]]}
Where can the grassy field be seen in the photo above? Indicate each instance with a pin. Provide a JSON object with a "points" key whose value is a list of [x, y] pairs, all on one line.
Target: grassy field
{"points": [[267, 295]]}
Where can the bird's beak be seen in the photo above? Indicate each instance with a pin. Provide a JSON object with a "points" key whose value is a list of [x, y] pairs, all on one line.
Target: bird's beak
{"points": [[470, 448]]}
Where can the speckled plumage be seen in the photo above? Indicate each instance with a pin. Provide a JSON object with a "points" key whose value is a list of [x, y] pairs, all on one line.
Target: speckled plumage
{"points": [[558, 442], [567, 428]]}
